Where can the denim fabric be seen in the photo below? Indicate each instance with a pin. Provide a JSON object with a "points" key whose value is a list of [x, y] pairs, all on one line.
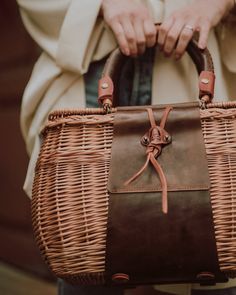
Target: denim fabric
{"points": [[135, 81], [91, 83]]}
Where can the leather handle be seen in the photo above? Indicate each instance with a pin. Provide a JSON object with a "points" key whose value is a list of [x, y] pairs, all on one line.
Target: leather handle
{"points": [[201, 58]]}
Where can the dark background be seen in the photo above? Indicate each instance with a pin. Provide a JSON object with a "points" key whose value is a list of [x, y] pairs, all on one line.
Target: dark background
{"points": [[18, 54]]}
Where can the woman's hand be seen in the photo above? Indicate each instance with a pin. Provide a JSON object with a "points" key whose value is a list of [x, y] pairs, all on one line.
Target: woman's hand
{"points": [[200, 16], [132, 25]]}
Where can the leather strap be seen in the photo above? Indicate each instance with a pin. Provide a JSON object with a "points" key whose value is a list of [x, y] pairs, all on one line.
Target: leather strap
{"points": [[105, 89], [206, 85], [201, 58]]}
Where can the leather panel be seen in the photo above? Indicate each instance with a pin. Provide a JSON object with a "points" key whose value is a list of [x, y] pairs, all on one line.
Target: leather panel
{"points": [[152, 247], [143, 244], [183, 160]]}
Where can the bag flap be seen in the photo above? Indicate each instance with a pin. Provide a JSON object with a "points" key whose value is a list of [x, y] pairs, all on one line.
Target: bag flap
{"points": [[183, 161]]}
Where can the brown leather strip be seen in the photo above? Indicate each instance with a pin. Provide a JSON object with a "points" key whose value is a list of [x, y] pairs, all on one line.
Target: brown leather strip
{"points": [[163, 183], [105, 89], [156, 141], [165, 116], [151, 117], [144, 245], [137, 174], [207, 84]]}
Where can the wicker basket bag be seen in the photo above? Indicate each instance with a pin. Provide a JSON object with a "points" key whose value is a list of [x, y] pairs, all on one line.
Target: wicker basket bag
{"points": [[71, 210]]}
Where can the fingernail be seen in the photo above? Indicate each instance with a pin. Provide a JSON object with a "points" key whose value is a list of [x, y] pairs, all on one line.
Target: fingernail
{"points": [[167, 54], [177, 57], [201, 46], [126, 51], [134, 53]]}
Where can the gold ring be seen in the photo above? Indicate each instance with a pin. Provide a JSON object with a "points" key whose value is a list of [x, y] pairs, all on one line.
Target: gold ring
{"points": [[189, 27]]}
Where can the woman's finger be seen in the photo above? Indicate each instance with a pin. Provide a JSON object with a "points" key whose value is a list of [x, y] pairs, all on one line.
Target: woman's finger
{"points": [[185, 36], [140, 36], [163, 31], [204, 30], [150, 33], [129, 35], [172, 37], [120, 37]]}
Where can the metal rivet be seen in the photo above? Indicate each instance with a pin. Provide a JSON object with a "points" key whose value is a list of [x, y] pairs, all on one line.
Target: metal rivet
{"points": [[205, 81], [120, 278], [105, 85], [145, 141], [168, 138]]}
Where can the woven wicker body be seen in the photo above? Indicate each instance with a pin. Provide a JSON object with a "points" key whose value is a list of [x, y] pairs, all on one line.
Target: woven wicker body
{"points": [[70, 198]]}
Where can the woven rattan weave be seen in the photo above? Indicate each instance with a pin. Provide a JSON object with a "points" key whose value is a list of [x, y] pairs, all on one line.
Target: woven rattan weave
{"points": [[70, 198]]}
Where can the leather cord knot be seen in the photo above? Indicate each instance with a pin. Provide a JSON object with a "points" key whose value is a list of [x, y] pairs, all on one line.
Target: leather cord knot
{"points": [[154, 140]]}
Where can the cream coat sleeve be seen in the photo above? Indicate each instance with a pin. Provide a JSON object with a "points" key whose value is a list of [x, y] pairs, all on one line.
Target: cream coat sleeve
{"points": [[226, 33], [226, 36], [69, 31], [71, 35]]}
